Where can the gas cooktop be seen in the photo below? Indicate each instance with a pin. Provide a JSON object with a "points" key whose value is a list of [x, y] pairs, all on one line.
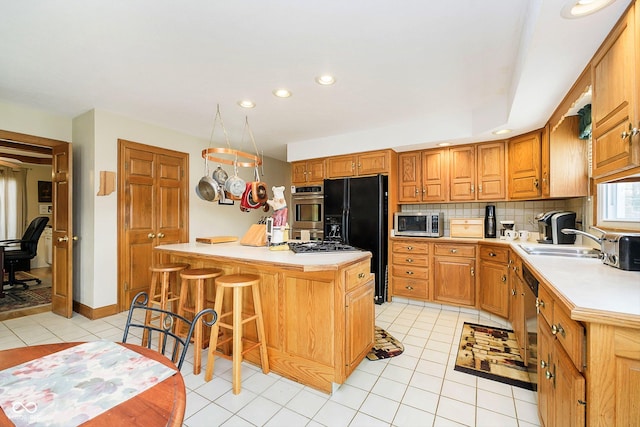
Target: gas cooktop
{"points": [[320, 246]]}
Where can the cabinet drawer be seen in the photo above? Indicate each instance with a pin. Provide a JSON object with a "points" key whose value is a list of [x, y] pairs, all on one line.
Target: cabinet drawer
{"points": [[545, 304], [570, 334], [410, 272], [494, 254], [357, 275], [411, 288], [419, 260], [410, 247], [445, 249]]}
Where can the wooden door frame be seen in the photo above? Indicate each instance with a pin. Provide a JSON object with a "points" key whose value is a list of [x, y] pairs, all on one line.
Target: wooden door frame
{"points": [[123, 144], [36, 144]]}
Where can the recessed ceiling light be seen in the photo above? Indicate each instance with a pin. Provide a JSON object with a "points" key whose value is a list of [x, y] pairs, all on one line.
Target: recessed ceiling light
{"points": [[578, 8], [325, 80], [444, 144], [501, 131], [282, 93], [246, 103]]}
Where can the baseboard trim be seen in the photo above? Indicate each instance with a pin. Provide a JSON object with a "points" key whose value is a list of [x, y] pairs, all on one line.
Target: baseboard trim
{"points": [[95, 313]]}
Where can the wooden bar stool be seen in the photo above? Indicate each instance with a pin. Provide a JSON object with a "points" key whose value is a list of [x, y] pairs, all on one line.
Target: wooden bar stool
{"points": [[237, 282], [161, 293], [194, 303]]}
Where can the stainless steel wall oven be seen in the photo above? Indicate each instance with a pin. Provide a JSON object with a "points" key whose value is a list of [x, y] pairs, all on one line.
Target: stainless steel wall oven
{"points": [[307, 212]]}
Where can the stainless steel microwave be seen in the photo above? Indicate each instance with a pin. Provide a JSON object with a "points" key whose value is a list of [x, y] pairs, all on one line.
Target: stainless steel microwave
{"points": [[419, 224]]}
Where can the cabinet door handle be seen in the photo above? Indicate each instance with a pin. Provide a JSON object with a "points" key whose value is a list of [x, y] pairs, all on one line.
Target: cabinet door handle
{"points": [[409, 288], [473, 271], [63, 239], [453, 251], [539, 305], [632, 132], [424, 191], [417, 191], [492, 254], [160, 235], [548, 375], [480, 188], [543, 364], [555, 330], [472, 189], [361, 275], [409, 248], [536, 183], [409, 272], [409, 259], [504, 278], [151, 235], [513, 292]]}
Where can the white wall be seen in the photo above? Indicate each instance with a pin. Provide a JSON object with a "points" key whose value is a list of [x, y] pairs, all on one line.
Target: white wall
{"points": [[16, 118]]}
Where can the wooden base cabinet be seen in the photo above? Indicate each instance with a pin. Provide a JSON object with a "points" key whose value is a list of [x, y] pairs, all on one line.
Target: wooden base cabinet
{"points": [[561, 341], [454, 274], [359, 321], [410, 269], [494, 279]]}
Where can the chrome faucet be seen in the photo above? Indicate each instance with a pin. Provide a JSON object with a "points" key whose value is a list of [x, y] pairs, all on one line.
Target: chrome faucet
{"points": [[583, 233]]}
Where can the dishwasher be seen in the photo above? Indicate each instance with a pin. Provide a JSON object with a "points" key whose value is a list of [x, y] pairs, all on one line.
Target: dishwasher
{"points": [[531, 323]]}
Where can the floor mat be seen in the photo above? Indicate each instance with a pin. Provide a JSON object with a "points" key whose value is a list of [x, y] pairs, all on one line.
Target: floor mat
{"points": [[492, 353], [23, 298], [385, 346]]}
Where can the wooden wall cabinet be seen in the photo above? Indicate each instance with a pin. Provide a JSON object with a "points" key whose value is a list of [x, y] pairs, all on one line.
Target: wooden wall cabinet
{"points": [[477, 172], [423, 176], [454, 276], [561, 386], [615, 71], [410, 269], [494, 279], [564, 161], [307, 172], [525, 166], [361, 164]]}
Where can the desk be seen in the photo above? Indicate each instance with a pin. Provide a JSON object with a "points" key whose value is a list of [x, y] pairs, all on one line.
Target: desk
{"points": [[161, 405]]}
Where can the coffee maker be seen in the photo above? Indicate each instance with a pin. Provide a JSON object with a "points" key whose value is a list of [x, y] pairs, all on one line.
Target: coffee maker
{"points": [[550, 225]]}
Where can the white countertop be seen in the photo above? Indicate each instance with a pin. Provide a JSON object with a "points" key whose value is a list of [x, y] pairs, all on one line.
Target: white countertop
{"points": [[316, 261], [588, 283]]}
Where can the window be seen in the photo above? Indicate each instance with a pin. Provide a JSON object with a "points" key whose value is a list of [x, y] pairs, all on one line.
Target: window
{"points": [[619, 205]]}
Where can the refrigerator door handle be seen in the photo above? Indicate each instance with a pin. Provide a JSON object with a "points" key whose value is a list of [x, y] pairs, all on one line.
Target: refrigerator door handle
{"points": [[345, 226]]}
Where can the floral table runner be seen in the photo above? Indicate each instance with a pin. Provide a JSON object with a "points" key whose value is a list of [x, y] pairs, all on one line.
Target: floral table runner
{"points": [[72, 386]]}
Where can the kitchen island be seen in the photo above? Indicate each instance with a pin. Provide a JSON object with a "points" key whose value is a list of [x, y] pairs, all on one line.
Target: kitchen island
{"points": [[318, 308]]}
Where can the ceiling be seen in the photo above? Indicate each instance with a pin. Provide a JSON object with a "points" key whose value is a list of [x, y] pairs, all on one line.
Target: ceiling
{"points": [[409, 74]]}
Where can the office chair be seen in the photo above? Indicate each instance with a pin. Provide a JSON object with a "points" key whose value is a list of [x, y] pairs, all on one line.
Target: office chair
{"points": [[27, 251], [171, 323]]}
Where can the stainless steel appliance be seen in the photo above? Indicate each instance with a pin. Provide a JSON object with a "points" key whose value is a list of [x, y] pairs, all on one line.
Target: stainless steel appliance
{"points": [[356, 214], [549, 226], [418, 224], [531, 323], [619, 250], [307, 212]]}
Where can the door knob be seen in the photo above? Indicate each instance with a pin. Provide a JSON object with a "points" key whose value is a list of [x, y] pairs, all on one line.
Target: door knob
{"points": [[63, 239], [151, 235], [160, 235]]}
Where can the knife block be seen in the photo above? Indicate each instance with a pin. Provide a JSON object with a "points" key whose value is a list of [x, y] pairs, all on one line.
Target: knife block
{"points": [[255, 236]]}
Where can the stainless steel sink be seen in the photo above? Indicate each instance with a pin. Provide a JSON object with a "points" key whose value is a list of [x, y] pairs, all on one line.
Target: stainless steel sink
{"points": [[566, 251]]}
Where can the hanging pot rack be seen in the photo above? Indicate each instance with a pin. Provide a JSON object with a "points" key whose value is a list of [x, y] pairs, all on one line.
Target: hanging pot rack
{"points": [[231, 156]]}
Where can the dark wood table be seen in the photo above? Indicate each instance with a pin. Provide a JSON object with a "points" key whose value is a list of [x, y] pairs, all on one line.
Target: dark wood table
{"points": [[161, 405]]}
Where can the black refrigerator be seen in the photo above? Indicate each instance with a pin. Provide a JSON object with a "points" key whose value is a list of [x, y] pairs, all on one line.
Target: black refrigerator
{"points": [[356, 214]]}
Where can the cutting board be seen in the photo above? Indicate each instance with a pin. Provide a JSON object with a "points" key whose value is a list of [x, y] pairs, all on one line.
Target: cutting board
{"points": [[216, 239]]}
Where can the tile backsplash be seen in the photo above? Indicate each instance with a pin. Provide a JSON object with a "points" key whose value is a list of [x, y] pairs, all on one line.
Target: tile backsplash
{"points": [[522, 213]]}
